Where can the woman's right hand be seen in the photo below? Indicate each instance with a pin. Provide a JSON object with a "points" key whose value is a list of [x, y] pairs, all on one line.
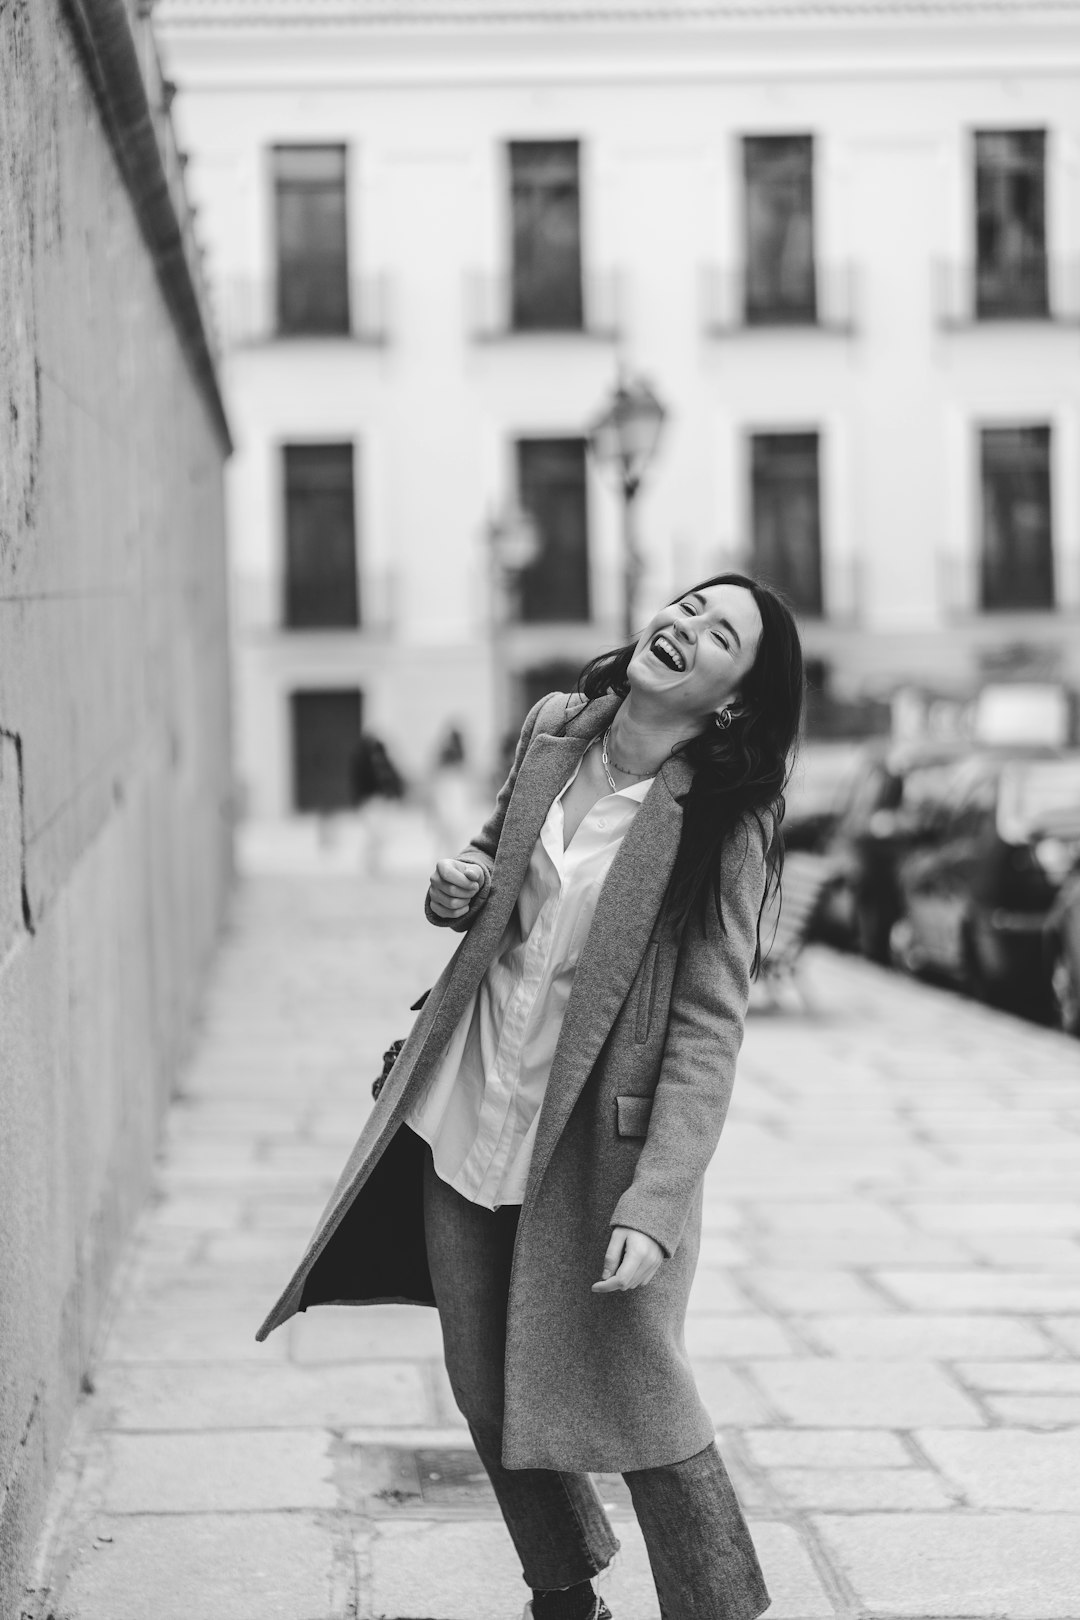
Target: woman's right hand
{"points": [[453, 887]]}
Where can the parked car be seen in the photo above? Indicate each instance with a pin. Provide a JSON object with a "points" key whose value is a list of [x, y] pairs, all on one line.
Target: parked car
{"points": [[1062, 941], [867, 836], [991, 841]]}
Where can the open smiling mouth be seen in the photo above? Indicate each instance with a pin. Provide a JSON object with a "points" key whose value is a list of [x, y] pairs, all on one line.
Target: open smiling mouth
{"points": [[667, 652]]}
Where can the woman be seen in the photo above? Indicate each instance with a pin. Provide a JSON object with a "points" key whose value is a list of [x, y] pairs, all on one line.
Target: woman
{"points": [[534, 1163]]}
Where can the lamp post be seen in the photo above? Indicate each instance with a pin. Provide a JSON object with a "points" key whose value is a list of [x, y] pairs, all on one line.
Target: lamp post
{"points": [[624, 438], [513, 542]]}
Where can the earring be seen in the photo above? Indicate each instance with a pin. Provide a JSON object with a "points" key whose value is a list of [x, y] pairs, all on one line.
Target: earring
{"points": [[723, 720]]}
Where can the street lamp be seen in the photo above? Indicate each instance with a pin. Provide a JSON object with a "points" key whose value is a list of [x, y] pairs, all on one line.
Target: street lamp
{"points": [[513, 543], [624, 438]]}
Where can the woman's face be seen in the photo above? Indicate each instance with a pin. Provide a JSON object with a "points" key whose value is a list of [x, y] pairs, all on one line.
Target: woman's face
{"points": [[694, 654]]}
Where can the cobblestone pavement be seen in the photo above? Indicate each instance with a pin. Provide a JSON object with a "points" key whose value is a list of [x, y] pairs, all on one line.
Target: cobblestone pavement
{"points": [[885, 1326]]}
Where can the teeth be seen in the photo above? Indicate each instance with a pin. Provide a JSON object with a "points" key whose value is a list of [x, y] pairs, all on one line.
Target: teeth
{"points": [[671, 651]]}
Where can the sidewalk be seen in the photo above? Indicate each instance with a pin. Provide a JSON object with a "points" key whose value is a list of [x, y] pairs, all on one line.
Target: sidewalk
{"points": [[885, 1327]]}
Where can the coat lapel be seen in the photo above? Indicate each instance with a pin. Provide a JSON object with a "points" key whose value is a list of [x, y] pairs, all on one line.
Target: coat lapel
{"points": [[625, 919]]}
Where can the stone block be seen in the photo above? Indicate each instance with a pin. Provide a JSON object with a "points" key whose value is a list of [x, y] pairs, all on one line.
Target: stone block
{"points": [[1034, 1411], [1001, 1468], [904, 1337], [1014, 1566], [860, 1490], [228, 1471], [729, 1400], [365, 1333], [794, 1583], [716, 1289], [168, 1332], [1042, 1252], [831, 1217], [821, 1250], [734, 1336], [1066, 1329], [1007, 1217], [827, 1448], [812, 1291], [277, 1395], [900, 1395], [1022, 1377], [250, 1566], [984, 1290]]}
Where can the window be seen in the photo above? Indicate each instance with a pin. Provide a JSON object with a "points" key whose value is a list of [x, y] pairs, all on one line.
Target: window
{"points": [[312, 252], [1017, 550], [1010, 224], [786, 518], [551, 485], [321, 590], [326, 748], [546, 236], [779, 189]]}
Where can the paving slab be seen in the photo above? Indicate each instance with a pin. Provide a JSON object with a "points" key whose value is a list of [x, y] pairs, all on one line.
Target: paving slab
{"points": [[729, 1398], [903, 1337], [209, 1566], [752, 1334], [363, 1333], [828, 1448], [861, 1490], [984, 1290], [873, 1396], [994, 1566], [227, 1471], [274, 1395], [1001, 1468]]}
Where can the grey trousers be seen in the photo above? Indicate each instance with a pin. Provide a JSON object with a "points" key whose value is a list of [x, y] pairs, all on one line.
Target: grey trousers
{"points": [[702, 1558]]}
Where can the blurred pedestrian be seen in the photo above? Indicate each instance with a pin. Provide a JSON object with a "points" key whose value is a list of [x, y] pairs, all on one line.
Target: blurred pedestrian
{"points": [[449, 794], [376, 782], [535, 1160]]}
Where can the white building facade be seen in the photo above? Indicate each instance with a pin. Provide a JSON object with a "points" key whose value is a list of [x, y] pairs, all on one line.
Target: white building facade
{"points": [[841, 242]]}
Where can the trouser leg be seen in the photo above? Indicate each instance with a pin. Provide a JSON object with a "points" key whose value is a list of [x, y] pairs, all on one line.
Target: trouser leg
{"points": [[702, 1558], [557, 1524]]}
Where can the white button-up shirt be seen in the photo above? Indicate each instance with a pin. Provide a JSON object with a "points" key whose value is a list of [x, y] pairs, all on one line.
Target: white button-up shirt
{"points": [[480, 1109]]}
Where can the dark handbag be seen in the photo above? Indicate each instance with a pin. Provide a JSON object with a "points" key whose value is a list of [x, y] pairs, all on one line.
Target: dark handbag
{"points": [[393, 1052]]}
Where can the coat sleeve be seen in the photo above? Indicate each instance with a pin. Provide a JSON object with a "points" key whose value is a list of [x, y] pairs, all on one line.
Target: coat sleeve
{"points": [[704, 1034], [481, 852]]}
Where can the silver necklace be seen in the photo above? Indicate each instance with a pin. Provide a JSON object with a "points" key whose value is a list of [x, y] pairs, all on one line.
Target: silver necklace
{"points": [[607, 761]]}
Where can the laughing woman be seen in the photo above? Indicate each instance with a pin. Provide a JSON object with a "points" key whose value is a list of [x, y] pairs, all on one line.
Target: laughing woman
{"points": [[534, 1163]]}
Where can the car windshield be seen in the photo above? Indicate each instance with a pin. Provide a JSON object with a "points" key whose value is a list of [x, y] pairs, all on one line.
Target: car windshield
{"points": [[1040, 796]]}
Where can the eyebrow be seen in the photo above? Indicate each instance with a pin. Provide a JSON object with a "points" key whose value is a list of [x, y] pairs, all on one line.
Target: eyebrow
{"points": [[696, 596]]}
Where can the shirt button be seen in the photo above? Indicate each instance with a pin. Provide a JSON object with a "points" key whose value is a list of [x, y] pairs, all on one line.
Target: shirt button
{"points": [[601, 823]]}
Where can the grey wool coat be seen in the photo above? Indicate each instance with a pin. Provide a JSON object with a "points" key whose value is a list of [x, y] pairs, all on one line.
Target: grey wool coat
{"points": [[636, 1099]]}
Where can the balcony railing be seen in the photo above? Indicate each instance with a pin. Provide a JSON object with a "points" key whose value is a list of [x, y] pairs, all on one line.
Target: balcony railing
{"points": [[730, 305], [490, 315], [253, 311], [1038, 289]]}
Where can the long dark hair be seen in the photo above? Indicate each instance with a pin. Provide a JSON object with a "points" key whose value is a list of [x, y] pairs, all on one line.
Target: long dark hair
{"points": [[739, 772]]}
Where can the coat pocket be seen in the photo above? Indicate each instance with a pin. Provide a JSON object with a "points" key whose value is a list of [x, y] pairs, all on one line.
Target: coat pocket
{"points": [[647, 993], [632, 1115]]}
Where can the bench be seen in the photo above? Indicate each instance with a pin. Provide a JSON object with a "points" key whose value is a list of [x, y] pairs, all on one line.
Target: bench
{"points": [[788, 919]]}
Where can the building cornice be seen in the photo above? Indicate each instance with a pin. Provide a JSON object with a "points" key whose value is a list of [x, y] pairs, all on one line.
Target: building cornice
{"points": [[141, 138], [572, 14]]}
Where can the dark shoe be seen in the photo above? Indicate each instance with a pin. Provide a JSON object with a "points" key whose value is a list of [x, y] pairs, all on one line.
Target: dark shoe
{"points": [[602, 1611]]}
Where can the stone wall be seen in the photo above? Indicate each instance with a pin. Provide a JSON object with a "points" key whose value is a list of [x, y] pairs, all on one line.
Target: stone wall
{"points": [[114, 720]]}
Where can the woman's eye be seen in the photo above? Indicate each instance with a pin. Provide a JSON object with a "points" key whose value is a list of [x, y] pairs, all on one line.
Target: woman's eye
{"points": [[687, 607], [721, 638]]}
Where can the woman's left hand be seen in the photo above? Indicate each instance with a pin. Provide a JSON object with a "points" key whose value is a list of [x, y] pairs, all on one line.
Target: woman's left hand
{"points": [[632, 1260]]}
